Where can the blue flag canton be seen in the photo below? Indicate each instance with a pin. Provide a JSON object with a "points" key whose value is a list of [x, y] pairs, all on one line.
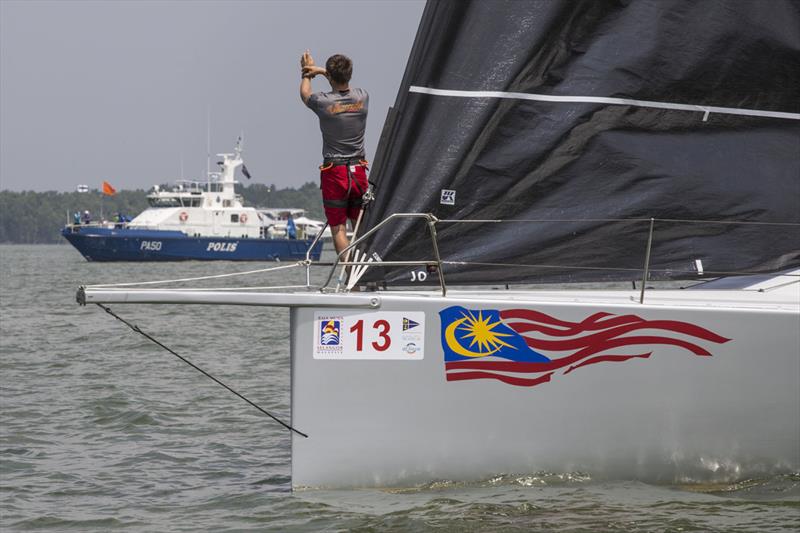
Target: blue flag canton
{"points": [[472, 334]]}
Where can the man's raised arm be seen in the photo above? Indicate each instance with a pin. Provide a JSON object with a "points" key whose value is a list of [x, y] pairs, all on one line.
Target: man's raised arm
{"points": [[309, 70]]}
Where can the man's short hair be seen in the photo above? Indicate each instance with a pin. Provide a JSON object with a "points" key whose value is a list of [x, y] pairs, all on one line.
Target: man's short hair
{"points": [[339, 68]]}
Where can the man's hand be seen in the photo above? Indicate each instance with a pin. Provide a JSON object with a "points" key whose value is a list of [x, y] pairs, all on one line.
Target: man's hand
{"points": [[310, 71], [306, 60]]}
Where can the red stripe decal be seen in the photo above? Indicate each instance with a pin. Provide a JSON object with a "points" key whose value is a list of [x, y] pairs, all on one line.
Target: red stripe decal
{"points": [[511, 380]]}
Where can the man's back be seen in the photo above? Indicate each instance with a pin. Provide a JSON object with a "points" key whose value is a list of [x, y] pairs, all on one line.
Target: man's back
{"points": [[342, 121], [342, 116]]}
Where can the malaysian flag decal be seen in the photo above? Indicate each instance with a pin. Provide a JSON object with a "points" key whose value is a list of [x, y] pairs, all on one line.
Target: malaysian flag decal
{"points": [[526, 348]]}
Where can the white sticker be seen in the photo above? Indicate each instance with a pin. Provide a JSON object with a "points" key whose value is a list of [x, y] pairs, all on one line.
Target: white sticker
{"points": [[448, 197], [698, 264], [378, 335]]}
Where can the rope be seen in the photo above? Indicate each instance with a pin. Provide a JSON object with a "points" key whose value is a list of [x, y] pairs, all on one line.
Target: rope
{"points": [[136, 328], [216, 276]]}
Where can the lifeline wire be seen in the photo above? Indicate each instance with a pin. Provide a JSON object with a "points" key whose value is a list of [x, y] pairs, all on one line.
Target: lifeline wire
{"points": [[136, 328], [215, 276]]}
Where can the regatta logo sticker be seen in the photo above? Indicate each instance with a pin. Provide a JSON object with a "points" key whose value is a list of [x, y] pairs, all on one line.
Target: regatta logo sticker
{"points": [[527, 348], [410, 348], [448, 197], [329, 333], [408, 324]]}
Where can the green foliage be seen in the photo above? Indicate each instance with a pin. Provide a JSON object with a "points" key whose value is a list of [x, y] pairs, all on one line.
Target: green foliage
{"points": [[37, 217]]}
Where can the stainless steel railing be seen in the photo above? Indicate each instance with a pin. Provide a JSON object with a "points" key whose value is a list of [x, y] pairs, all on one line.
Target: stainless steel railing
{"points": [[437, 262], [431, 222]]}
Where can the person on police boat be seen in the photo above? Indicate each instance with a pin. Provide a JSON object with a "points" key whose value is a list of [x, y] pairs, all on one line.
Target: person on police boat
{"points": [[342, 114]]}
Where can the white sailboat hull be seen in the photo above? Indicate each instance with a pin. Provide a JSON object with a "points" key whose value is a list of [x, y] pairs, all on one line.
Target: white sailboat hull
{"points": [[712, 394], [671, 416]]}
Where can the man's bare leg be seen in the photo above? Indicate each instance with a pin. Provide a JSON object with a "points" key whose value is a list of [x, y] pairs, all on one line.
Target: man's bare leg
{"points": [[340, 241]]}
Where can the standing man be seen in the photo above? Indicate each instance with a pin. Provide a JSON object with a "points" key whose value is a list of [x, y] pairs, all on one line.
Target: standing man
{"points": [[342, 116]]}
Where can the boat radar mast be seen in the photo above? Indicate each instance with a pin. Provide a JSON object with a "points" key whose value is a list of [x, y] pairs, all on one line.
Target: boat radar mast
{"points": [[228, 166]]}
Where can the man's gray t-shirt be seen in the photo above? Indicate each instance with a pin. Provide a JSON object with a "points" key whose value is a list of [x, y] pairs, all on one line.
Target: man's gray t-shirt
{"points": [[342, 120]]}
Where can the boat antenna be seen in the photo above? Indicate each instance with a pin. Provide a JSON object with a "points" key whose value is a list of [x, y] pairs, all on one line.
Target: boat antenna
{"points": [[208, 147], [138, 330]]}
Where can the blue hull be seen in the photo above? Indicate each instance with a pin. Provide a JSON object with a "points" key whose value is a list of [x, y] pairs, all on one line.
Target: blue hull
{"points": [[105, 244]]}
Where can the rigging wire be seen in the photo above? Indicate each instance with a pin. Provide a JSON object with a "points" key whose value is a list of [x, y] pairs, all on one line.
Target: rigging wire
{"points": [[138, 330], [211, 289], [199, 278]]}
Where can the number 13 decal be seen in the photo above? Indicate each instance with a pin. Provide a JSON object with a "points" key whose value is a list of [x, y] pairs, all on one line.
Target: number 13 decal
{"points": [[381, 326]]}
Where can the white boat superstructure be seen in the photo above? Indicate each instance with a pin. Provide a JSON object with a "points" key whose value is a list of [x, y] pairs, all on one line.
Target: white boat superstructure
{"points": [[203, 209]]}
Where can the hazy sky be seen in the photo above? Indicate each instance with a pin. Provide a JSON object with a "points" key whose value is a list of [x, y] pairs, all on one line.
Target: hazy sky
{"points": [[120, 90]]}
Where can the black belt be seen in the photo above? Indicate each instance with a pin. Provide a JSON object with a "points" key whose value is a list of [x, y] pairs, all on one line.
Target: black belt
{"points": [[343, 162]]}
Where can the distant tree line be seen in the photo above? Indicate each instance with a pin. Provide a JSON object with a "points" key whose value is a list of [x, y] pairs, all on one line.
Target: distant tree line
{"points": [[37, 217]]}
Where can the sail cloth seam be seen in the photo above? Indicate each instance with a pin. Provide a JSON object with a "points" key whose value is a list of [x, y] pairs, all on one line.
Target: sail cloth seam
{"points": [[688, 221], [706, 110], [611, 269]]}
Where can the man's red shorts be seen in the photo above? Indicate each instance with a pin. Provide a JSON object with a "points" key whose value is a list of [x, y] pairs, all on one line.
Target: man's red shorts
{"points": [[341, 195]]}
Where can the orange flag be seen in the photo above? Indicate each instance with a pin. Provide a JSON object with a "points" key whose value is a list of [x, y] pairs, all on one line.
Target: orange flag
{"points": [[108, 189]]}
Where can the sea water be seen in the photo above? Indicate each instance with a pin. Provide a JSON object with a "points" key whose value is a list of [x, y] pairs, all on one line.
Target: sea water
{"points": [[102, 430]]}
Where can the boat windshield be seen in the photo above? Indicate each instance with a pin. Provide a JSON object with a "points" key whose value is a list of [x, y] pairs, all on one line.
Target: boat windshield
{"points": [[164, 202], [191, 202]]}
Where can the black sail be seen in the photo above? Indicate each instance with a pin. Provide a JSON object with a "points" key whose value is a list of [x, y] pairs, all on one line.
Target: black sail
{"points": [[574, 123]]}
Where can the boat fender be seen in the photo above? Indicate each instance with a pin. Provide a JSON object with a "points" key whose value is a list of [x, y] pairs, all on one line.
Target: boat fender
{"points": [[184, 216], [243, 218]]}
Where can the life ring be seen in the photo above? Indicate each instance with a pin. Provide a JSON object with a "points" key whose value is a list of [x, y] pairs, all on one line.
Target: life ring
{"points": [[243, 218], [184, 216]]}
